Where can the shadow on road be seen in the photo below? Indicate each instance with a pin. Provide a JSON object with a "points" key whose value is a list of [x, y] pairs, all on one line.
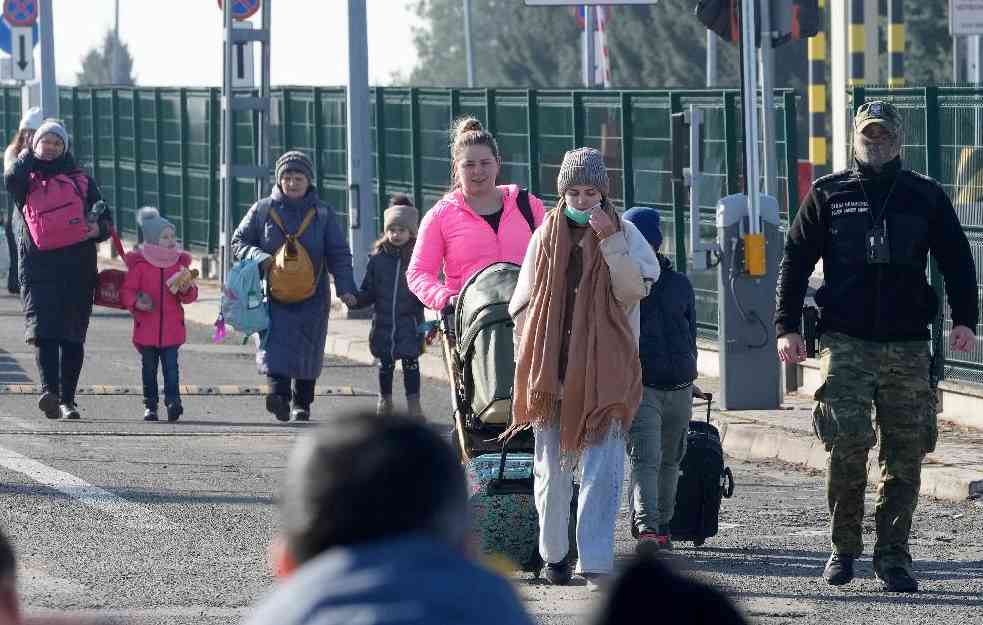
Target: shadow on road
{"points": [[10, 370], [785, 563]]}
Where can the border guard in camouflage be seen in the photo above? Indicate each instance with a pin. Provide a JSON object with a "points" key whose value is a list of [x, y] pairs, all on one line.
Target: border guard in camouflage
{"points": [[873, 225]]}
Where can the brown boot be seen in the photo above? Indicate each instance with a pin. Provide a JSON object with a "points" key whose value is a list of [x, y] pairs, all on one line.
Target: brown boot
{"points": [[385, 406], [413, 407]]}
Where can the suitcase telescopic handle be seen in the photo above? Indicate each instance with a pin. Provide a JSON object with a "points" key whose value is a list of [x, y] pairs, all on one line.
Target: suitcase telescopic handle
{"points": [[707, 397], [505, 486]]}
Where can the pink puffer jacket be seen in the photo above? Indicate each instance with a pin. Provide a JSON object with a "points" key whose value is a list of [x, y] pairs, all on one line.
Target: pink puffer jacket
{"points": [[164, 325], [456, 240]]}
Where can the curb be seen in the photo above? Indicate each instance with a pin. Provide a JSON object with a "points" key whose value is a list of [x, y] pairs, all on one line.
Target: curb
{"points": [[747, 440]]}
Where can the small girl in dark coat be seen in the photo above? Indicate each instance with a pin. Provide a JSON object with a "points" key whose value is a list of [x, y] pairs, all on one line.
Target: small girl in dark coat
{"points": [[398, 313]]}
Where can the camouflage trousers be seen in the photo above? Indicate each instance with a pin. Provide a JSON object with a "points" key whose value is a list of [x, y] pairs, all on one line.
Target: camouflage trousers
{"points": [[893, 377]]}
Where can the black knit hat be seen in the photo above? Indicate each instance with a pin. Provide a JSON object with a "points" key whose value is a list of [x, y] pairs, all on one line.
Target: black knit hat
{"points": [[294, 160]]}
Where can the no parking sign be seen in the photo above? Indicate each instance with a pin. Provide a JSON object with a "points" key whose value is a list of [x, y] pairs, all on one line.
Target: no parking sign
{"points": [[243, 9], [21, 12]]}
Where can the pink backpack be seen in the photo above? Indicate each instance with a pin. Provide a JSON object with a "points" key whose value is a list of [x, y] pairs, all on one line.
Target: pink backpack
{"points": [[55, 209]]}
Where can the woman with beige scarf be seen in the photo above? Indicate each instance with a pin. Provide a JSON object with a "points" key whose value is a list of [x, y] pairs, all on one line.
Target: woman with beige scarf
{"points": [[578, 377]]}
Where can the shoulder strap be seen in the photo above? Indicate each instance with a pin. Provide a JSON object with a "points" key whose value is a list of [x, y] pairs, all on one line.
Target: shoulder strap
{"points": [[311, 214], [276, 219], [523, 201], [71, 175]]}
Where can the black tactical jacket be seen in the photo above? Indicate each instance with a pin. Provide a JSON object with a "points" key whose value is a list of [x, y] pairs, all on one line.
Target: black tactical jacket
{"points": [[880, 302]]}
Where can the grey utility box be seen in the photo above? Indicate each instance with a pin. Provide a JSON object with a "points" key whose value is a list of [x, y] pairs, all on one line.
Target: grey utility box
{"points": [[750, 373]]}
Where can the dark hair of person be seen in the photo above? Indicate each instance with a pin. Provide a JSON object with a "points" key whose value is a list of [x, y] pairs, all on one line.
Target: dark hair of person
{"points": [[363, 478], [648, 582]]}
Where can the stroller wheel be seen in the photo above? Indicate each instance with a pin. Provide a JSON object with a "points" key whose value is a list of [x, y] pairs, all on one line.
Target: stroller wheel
{"points": [[460, 440]]}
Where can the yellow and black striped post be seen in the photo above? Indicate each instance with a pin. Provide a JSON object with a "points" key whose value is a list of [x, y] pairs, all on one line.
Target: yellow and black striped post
{"points": [[895, 43], [856, 43], [817, 96]]}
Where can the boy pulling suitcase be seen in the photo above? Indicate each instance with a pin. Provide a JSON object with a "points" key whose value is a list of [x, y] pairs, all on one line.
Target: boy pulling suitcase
{"points": [[667, 348]]}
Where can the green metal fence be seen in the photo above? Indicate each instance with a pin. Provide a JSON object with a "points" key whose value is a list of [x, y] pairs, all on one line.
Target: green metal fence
{"points": [[944, 139], [159, 146]]}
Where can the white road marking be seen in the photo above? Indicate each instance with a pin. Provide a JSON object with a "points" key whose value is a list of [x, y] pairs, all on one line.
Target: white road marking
{"points": [[132, 515]]}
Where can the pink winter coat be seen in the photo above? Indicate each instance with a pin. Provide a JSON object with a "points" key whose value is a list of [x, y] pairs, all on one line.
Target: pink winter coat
{"points": [[456, 240], [164, 325]]}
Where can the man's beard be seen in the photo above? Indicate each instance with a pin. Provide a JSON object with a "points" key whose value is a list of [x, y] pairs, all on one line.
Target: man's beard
{"points": [[876, 153]]}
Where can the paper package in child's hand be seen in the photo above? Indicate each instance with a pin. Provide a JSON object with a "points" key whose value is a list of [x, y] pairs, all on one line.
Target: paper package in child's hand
{"points": [[182, 280]]}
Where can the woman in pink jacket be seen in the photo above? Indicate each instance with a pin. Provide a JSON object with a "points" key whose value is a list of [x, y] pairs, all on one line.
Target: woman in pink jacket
{"points": [[476, 224], [157, 285]]}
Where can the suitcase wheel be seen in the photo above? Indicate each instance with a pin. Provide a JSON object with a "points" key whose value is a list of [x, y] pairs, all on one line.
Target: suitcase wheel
{"points": [[727, 484]]}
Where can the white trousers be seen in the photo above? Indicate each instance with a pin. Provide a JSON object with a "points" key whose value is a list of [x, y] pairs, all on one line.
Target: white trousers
{"points": [[603, 471]]}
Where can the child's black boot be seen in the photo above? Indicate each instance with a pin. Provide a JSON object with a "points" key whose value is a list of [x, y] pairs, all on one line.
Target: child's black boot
{"points": [[174, 410]]}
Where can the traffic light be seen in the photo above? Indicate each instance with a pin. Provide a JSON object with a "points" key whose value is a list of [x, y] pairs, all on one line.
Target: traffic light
{"points": [[791, 19]]}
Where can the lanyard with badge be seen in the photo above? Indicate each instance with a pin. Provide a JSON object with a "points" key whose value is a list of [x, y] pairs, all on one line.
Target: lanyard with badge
{"points": [[878, 246]]}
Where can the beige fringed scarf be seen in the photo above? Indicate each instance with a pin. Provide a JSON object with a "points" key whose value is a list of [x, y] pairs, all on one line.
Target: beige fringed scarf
{"points": [[603, 382]]}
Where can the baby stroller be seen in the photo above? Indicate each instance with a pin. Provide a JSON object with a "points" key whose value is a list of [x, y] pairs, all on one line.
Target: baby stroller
{"points": [[479, 352]]}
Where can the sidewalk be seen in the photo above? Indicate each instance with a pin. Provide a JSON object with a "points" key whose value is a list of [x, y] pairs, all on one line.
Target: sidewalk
{"points": [[953, 472]]}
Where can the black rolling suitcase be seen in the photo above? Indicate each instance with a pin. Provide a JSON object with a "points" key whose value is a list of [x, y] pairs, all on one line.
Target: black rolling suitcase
{"points": [[703, 481]]}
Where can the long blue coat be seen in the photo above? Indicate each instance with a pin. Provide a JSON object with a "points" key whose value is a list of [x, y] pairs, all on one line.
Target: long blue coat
{"points": [[295, 344]]}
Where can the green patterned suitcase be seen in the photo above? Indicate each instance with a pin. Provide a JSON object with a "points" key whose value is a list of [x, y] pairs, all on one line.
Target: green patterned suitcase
{"points": [[503, 509]]}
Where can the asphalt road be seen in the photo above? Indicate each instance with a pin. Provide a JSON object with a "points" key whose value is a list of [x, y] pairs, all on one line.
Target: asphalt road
{"points": [[169, 523]]}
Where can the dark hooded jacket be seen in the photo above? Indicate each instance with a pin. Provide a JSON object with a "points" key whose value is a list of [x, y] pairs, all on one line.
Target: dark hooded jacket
{"points": [[667, 343], [397, 312], [880, 302], [57, 286]]}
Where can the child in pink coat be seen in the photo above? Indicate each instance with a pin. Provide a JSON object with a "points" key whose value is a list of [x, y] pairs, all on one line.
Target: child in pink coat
{"points": [[158, 283]]}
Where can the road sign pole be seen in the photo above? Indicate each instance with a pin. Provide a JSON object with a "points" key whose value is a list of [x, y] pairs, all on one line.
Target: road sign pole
{"points": [[589, 43], [264, 157], [228, 155], [362, 222], [49, 86], [467, 42]]}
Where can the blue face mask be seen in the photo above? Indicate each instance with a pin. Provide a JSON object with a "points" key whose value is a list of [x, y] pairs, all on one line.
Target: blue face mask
{"points": [[579, 216]]}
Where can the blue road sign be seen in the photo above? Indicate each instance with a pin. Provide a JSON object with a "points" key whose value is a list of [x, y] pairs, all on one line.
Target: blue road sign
{"points": [[5, 43]]}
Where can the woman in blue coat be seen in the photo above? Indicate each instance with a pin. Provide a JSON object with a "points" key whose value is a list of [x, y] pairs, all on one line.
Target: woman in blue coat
{"points": [[294, 348]]}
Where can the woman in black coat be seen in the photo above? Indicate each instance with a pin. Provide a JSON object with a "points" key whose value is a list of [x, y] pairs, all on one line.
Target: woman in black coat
{"points": [[397, 313], [57, 285]]}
